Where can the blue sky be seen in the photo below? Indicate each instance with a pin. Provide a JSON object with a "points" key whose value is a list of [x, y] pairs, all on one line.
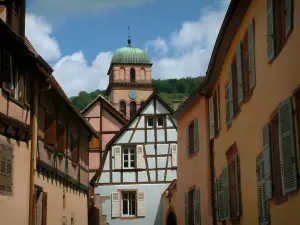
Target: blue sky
{"points": [[79, 39]]}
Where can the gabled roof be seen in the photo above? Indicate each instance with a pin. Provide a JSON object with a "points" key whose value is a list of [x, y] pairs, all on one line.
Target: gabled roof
{"points": [[109, 107], [154, 95]]}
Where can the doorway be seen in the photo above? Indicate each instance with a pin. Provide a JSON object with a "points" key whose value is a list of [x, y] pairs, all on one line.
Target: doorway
{"points": [[171, 220]]}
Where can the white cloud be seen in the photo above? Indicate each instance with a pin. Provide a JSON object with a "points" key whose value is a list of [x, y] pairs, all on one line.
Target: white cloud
{"points": [[67, 7], [75, 75], [39, 32], [191, 46], [159, 44]]}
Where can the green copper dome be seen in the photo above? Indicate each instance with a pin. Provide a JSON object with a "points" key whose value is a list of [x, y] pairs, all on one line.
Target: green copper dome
{"points": [[130, 55]]}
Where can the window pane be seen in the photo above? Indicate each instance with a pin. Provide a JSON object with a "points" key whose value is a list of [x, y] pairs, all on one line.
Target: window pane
{"points": [[126, 164], [132, 151], [125, 157], [132, 164], [125, 151], [150, 122], [160, 121], [132, 157], [125, 207]]}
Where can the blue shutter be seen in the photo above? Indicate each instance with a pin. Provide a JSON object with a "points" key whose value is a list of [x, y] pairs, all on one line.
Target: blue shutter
{"points": [[239, 72], [187, 142], [288, 16], [267, 161], [251, 50], [186, 208], [196, 136], [226, 190], [220, 199], [237, 183], [270, 30], [287, 145]]}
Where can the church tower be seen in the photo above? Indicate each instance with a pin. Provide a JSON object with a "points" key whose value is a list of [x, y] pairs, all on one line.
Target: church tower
{"points": [[130, 80]]}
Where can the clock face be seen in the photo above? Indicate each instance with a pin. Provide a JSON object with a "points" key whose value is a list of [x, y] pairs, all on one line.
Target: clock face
{"points": [[132, 94]]}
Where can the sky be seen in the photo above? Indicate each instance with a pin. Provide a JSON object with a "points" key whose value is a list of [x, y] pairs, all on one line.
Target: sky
{"points": [[78, 38]]}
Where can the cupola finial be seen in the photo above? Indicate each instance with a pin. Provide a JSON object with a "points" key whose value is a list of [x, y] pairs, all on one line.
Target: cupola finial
{"points": [[129, 39]]}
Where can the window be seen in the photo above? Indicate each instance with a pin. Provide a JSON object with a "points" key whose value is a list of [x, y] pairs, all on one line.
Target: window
{"points": [[123, 107], [192, 207], [94, 143], [16, 7], [50, 128], [132, 108], [132, 75], [6, 164], [297, 100], [74, 148], [40, 206], [236, 106], [129, 158], [192, 139], [14, 81], [160, 121], [214, 114], [61, 136], [150, 122], [129, 203], [279, 25]]}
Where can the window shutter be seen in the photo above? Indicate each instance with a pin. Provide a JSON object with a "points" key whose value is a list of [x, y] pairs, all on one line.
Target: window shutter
{"points": [[238, 184], [267, 161], [140, 161], [270, 30], [218, 107], [197, 211], [141, 204], [196, 136], [220, 201], [251, 52], [287, 147], [2, 169], [115, 205], [225, 187], [174, 154], [186, 209], [288, 16], [7, 71], [263, 203], [229, 98], [117, 150], [44, 215], [187, 142], [9, 157], [211, 118], [239, 72], [39, 207]]}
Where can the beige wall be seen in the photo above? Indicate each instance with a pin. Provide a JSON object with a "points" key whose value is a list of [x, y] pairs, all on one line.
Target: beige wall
{"points": [[122, 73], [274, 83], [14, 209], [172, 204], [76, 203], [194, 171]]}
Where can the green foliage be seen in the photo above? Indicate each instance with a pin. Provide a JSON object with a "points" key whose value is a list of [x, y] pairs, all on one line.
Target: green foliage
{"points": [[168, 90]]}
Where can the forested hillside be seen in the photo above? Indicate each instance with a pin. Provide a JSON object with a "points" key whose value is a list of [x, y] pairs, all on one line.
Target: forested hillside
{"points": [[169, 90]]}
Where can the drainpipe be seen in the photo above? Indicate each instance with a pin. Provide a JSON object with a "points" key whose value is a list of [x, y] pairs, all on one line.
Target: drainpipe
{"points": [[34, 134]]}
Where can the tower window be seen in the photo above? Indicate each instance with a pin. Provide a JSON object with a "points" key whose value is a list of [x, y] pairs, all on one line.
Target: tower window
{"points": [[123, 107], [132, 108], [132, 75]]}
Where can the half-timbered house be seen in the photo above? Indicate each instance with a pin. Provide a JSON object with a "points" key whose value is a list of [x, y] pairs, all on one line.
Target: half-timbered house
{"points": [[138, 164], [107, 121]]}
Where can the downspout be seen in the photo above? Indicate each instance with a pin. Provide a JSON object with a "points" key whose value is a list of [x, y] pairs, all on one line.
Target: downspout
{"points": [[34, 134]]}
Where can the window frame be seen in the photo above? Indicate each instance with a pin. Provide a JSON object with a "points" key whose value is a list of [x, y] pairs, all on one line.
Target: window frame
{"points": [[191, 138], [191, 197], [130, 194], [132, 111], [121, 107], [163, 121], [131, 151], [148, 118]]}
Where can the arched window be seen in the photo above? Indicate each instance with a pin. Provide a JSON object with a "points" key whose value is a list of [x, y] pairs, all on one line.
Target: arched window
{"points": [[132, 108], [132, 75], [123, 107], [143, 74]]}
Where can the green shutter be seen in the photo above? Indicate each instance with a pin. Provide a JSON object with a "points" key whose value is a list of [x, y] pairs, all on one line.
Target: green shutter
{"points": [[263, 203], [287, 145], [288, 16], [196, 136], [229, 97], [197, 211], [186, 208], [251, 50], [226, 190], [187, 142], [220, 199], [267, 160], [239, 72], [270, 30], [238, 185]]}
